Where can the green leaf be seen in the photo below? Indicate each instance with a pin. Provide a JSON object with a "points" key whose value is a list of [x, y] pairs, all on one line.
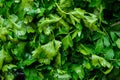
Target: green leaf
{"points": [[8, 67], [13, 18], [66, 4], [47, 52], [25, 6], [30, 29], [62, 30], [90, 18], [47, 30], [42, 10], [58, 60], [36, 52], [106, 41], [3, 33], [51, 48], [76, 33], [18, 51], [79, 26], [43, 38], [118, 43], [99, 46], [1, 58], [74, 19], [84, 50], [95, 3], [5, 57], [79, 13], [108, 70], [67, 42], [89, 21], [64, 24], [87, 64], [97, 61], [31, 74], [78, 69], [9, 76], [109, 53], [1, 20], [28, 19], [113, 36], [28, 62], [44, 22], [61, 74]]}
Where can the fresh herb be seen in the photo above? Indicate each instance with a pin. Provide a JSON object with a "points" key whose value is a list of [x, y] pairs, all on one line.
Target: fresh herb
{"points": [[59, 39]]}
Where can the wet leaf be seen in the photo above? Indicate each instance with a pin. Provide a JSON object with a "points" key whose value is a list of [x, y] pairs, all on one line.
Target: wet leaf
{"points": [[67, 42]]}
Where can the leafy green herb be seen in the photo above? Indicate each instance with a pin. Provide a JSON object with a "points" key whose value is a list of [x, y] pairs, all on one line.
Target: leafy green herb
{"points": [[59, 39]]}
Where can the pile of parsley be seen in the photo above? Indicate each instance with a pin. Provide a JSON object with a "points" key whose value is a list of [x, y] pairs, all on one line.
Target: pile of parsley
{"points": [[59, 39]]}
